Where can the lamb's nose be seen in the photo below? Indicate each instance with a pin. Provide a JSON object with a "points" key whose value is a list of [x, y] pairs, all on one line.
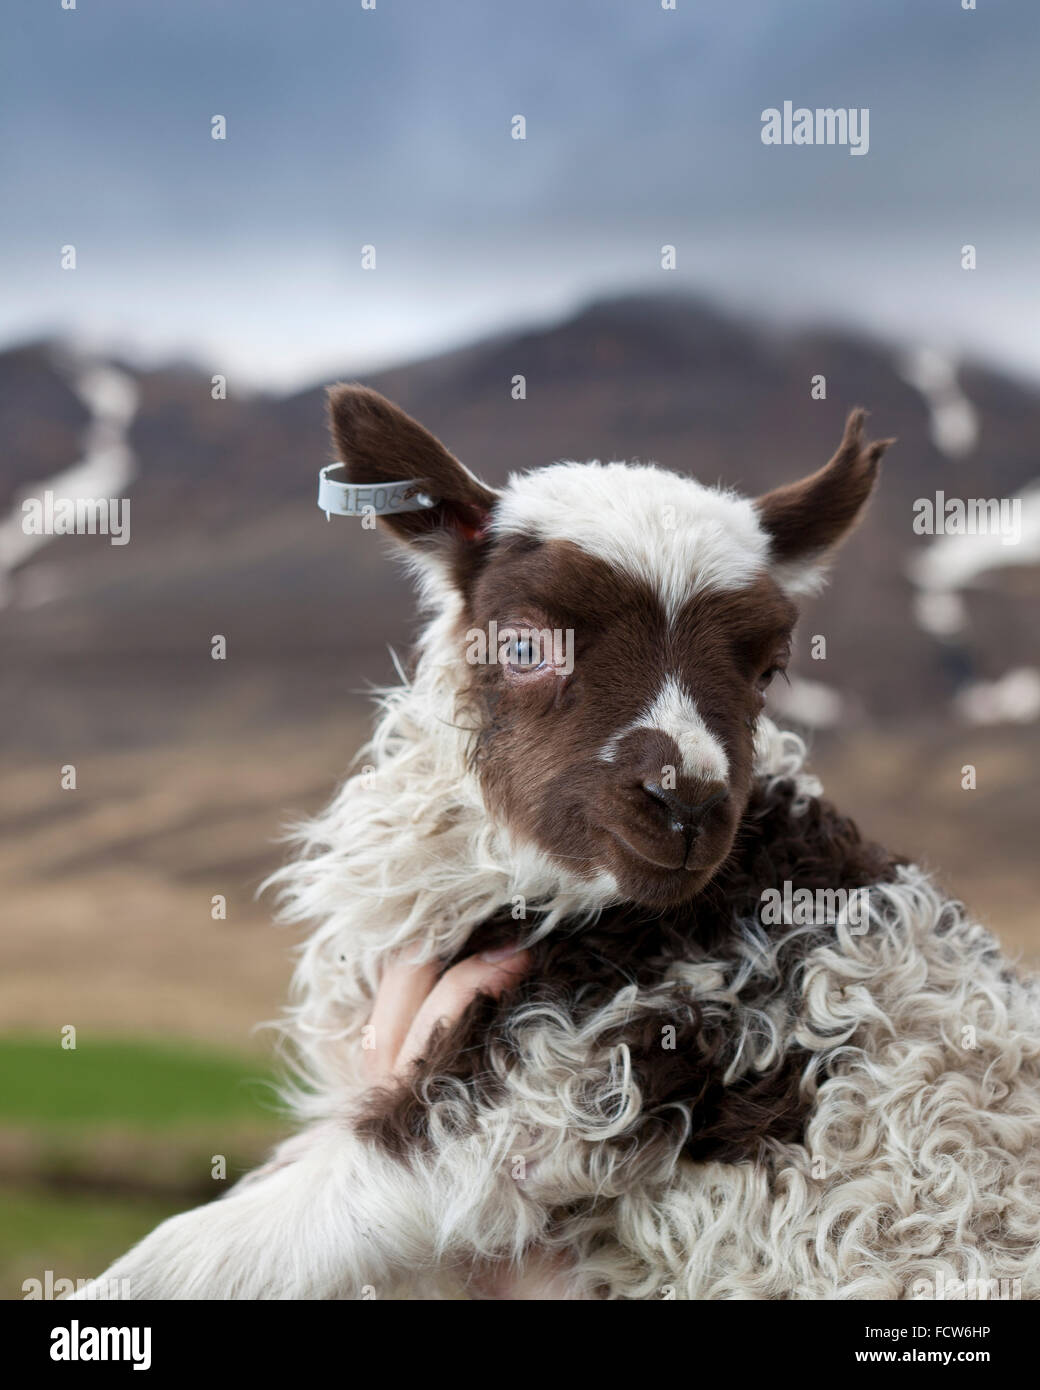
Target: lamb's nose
{"points": [[687, 814]]}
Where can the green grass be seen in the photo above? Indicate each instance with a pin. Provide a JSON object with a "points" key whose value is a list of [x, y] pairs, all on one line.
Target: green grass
{"points": [[101, 1143], [145, 1085], [75, 1236]]}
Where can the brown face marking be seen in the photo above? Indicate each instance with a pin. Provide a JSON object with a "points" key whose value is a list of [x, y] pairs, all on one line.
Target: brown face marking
{"points": [[543, 734]]}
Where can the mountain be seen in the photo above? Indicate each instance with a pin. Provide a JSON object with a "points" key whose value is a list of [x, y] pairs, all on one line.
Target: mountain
{"points": [[226, 537]]}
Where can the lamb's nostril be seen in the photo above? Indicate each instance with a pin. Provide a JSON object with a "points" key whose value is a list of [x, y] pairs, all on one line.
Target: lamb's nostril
{"points": [[687, 814]]}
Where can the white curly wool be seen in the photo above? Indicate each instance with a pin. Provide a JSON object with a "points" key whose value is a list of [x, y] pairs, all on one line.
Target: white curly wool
{"points": [[920, 1162]]}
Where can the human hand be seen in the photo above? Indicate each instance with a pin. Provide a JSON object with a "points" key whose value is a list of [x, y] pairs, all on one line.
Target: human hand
{"points": [[411, 1001]]}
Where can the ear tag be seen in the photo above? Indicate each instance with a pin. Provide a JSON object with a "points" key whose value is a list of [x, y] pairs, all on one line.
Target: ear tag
{"points": [[376, 499]]}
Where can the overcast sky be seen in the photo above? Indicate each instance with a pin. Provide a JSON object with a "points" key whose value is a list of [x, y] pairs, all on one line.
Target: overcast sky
{"points": [[391, 127]]}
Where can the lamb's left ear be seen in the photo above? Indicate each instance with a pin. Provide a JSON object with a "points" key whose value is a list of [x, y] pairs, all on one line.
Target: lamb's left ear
{"points": [[378, 444], [806, 520]]}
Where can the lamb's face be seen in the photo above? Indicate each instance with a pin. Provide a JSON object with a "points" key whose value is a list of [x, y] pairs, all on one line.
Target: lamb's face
{"points": [[621, 634], [619, 626]]}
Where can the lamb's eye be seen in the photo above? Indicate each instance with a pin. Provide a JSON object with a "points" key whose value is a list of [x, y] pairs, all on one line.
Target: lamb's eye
{"points": [[522, 654], [779, 668]]}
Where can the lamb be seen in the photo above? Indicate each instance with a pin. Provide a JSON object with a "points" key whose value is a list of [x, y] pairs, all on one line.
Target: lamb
{"points": [[684, 1097]]}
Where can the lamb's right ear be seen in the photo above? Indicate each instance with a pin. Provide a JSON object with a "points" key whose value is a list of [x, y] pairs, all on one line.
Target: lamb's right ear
{"points": [[807, 520], [378, 443]]}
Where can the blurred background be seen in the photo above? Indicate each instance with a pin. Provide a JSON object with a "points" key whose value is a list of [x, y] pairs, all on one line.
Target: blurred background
{"points": [[241, 259]]}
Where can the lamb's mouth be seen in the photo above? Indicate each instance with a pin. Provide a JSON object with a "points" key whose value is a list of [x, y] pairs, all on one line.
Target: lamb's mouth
{"points": [[680, 861]]}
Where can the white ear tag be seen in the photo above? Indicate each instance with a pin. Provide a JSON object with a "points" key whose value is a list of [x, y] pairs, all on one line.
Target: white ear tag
{"points": [[375, 499]]}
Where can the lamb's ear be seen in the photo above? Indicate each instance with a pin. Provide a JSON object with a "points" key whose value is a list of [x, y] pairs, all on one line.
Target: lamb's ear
{"points": [[378, 443], [808, 519]]}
